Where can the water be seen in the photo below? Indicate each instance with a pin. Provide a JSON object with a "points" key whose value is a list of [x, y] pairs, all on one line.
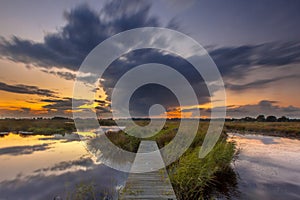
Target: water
{"points": [[42, 167], [268, 167]]}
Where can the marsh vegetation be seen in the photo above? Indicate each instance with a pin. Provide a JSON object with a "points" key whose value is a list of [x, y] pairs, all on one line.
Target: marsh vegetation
{"points": [[280, 129], [191, 177]]}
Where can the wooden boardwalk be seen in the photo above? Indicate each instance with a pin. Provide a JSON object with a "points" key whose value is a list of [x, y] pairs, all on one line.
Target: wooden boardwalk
{"points": [[149, 185]]}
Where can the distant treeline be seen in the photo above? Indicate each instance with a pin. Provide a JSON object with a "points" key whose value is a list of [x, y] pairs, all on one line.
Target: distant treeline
{"points": [[47, 126], [61, 125], [110, 121], [263, 118], [259, 118], [37, 126]]}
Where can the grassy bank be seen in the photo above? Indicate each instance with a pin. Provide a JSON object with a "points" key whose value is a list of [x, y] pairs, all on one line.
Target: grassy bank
{"points": [[37, 126], [280, 129], [191, 177], [55, 125], [64, 125], [194, 178]]}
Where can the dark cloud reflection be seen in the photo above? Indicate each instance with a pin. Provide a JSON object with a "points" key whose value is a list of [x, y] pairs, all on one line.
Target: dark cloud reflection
{"points": [[26, 89], [41, 187], [20, 150], [82, 162]]}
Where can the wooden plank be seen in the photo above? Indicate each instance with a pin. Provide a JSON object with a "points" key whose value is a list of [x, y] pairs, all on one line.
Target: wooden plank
{"points": [[149, 185]]}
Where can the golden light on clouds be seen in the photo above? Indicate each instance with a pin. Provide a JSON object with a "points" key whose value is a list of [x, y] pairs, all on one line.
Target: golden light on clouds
{"points": [[15, 74]]}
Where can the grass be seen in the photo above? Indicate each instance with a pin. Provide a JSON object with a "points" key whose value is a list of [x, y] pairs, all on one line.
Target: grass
{"points": [[83, 191], [37, 126], [282, 129], [191, 177], [88, 191], [194, 178], [46, 126], [63, 125], [124, 141]]}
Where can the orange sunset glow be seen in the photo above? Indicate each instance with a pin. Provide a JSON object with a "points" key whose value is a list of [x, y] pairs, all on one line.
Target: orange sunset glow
{"points": [[42, 85]]}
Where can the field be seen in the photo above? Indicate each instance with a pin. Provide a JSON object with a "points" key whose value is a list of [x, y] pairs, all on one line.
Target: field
{"points": [[280, 129], [64, 125], [191, 177], [55, 125]]}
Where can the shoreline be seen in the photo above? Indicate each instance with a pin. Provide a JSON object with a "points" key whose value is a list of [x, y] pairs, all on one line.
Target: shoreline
{"points": [[267, 166], [273, 134]]}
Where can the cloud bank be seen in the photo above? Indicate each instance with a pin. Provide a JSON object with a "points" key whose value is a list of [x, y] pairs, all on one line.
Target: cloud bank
{"points": [[26, 89], [85, 28]]}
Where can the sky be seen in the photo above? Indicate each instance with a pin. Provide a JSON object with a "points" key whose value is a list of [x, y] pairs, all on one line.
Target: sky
{"points": [[254, 44]]}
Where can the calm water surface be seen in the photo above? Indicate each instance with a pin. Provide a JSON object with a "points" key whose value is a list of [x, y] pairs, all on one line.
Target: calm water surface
{"points": [[41, 167], [268, 167]]}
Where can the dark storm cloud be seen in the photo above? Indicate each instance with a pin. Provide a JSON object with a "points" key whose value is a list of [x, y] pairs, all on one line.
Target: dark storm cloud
{"points": [[257, 84], [235, 62], [102, 102], [26, 89], [102, 106], [63, 104], [148, 95], [103, 109], [85, 28], [61, 74], [266, 107], [20, 150], [14, 111], [145, 96]]}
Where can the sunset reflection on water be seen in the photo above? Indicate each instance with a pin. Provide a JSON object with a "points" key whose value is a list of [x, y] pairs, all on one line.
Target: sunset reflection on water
{"points": [[268, 166], [41, 167]]}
